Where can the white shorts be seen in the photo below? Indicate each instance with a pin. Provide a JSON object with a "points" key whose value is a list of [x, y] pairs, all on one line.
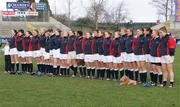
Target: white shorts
{"points": [[88, 58], [46, 56], [72, 55], [28, 54], [108, 59], [51, 52], [155, 59], [117, 60], [42, 51], [123, 56], [140, 58], [80, 56], [100, 59], [13, 51], [130, 57], [147, 57], [167, 59], [21, 54], [56, 53], [96, 57], [63, 56], [36, 53]]}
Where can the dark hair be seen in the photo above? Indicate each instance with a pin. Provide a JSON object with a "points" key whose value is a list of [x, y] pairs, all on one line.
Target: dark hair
{"points": [[97, 31], [131, 30], [29, 32], [80, 33], [149, 30], [141, 29], [50, 30], [110, 33], [59, 31], [73, 32], [15, 31], [21, 30]]}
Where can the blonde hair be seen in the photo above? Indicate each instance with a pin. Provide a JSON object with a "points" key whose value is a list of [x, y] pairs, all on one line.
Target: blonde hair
{"points": [[124, 29], [163, 29], [156, 31], [42, 30]]}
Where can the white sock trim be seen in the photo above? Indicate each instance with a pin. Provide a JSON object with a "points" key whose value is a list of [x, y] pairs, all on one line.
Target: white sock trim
{"points": [[160, 73]]}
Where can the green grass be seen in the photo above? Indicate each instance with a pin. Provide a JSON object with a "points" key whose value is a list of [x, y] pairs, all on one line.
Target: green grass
{"points": [[28, 91]]}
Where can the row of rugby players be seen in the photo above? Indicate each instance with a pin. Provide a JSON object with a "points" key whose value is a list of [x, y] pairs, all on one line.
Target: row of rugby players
{"points": [[97, 55]]}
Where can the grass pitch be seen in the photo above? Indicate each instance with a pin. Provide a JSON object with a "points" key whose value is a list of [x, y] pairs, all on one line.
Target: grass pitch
{"points": [[29, 91]]}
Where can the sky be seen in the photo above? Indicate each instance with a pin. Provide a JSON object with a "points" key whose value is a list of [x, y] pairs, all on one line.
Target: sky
{"points": [[138, 10]]}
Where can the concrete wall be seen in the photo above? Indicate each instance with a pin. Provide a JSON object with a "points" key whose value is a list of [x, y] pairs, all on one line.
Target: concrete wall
{"points": [[6, 27]]}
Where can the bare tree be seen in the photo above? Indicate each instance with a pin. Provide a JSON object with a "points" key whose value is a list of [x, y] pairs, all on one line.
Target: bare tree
{"points": [[165, 7], [119, 14], [62, 18], [96, 10], [116, 14], [69, 10]]}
